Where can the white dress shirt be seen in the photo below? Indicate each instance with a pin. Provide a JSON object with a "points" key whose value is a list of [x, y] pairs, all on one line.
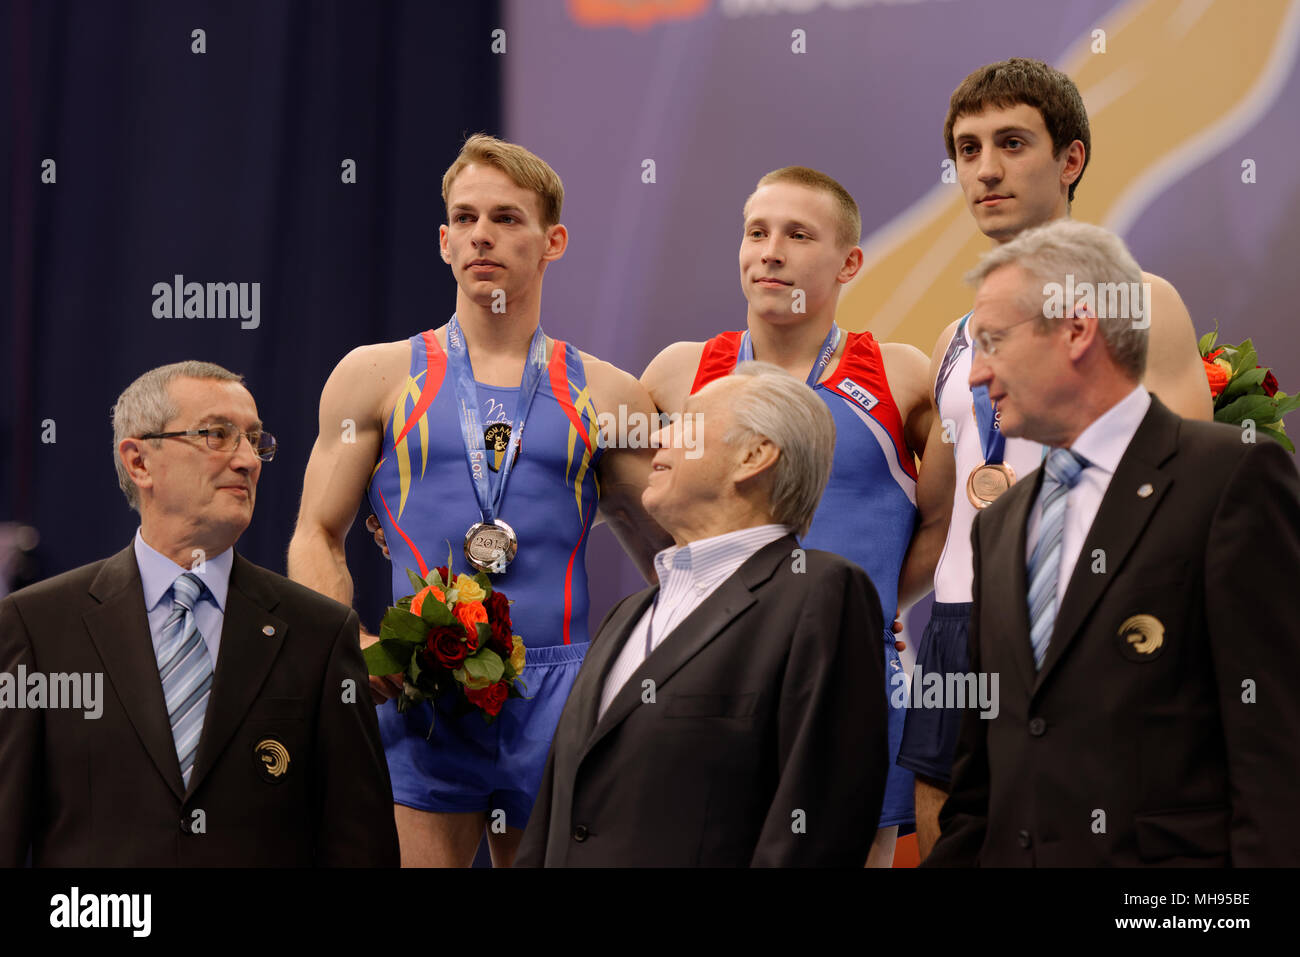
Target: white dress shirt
{"points": [[688, 574], [1103, 444]]}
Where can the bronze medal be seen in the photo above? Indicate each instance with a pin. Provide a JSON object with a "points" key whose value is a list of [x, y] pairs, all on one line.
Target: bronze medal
{"points": [[988, 481]]}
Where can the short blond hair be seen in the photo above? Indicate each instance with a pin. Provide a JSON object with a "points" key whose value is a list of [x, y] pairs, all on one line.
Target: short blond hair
{"points": [[849, 228], [526, 170]]}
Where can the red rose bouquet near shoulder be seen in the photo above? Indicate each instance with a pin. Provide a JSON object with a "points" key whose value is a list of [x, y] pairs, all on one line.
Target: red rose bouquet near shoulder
{"points": [[1244, 392], [451, 636]]}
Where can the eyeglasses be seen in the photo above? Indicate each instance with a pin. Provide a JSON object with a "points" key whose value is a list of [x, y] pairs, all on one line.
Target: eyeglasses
{"points": [[987, 342], [225, 438]]}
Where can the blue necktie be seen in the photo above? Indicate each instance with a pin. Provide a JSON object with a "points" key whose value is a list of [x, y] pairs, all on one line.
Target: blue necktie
{"points": [[186, 671], [1061, 472]]}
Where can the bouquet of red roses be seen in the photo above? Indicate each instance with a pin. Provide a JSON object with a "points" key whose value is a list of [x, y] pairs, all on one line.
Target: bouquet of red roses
{"points": [[1244, 390], [452, 636]]}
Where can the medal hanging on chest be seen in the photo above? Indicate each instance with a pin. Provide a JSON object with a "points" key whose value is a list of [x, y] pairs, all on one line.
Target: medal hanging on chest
{"points": [[990, 480], [491, 545]]}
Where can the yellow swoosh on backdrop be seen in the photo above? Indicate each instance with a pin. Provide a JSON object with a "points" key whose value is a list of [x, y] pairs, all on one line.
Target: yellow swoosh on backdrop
{"points": [[1172, 68]]}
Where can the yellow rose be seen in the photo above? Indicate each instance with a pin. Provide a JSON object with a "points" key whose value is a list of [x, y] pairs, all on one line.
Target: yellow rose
{"points": [[467, 589], [469, 681], [517, 655]]}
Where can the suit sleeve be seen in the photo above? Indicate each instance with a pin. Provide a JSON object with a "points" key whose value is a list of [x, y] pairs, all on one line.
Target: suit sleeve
{"points": [[832, 737], [963, 819], [353, 794], [20, 733], [1251, 560]]}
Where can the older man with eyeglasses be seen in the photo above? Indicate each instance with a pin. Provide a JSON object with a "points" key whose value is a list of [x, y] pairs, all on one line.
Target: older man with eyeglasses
{"points": [[1132, 593], [234, 727]]}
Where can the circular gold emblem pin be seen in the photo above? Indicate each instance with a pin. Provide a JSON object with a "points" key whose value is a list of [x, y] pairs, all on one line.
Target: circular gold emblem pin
{"points": [[1142, 636], [273, 757]]}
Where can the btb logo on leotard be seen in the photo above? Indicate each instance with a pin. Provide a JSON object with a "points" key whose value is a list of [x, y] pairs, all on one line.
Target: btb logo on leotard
{"points": [[858, 394]]}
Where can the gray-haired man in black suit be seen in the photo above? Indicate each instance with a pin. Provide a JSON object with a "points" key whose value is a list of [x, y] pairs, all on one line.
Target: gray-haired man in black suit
{"points": [[729, 716], [231, 723], [1133, 594]]}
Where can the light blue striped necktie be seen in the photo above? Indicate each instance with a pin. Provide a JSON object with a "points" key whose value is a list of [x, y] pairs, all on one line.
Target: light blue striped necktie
{"points": [[186, 671], [1061, 472]]}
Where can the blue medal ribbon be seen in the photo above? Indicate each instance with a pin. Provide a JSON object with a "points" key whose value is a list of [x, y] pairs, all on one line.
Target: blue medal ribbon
{"points": [[992, 440], [470, 429], [829, 345]]}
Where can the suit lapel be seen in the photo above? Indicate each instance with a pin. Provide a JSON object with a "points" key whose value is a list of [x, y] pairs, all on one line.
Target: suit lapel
{"points": [[605, 651], [1121, 518], [119, 628], [1007, 537], [695, 631], [243, 662]]}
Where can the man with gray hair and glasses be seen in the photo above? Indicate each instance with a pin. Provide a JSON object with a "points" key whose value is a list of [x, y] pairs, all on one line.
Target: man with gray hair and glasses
{"points": [[1133, 593], [730, 716], [234, 727]]}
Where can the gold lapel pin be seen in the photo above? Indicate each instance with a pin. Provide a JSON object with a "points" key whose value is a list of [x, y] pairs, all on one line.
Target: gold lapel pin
{"points": [[268, 630], [274, 757], [1144, 633], [1145, 490]]}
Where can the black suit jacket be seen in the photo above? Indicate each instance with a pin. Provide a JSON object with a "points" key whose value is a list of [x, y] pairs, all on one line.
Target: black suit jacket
{"points": [[108, 791], [1123, 751], [764, 742]]}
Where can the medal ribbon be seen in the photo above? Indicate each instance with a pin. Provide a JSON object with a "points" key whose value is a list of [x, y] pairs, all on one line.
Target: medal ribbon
{"points": [[992, 440], [471, 431], [829, 345]]}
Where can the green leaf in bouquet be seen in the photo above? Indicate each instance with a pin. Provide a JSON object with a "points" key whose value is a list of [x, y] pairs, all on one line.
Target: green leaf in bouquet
{"points": [[1244, 383], [1278, 437], [1245, 359], [1246, 407], [399, 650], [381, 661], [417, 582], [484, 633], [1286, 403], [484, 665], [1209, 339], [485, 584], [401, 625], [435, 613]]}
